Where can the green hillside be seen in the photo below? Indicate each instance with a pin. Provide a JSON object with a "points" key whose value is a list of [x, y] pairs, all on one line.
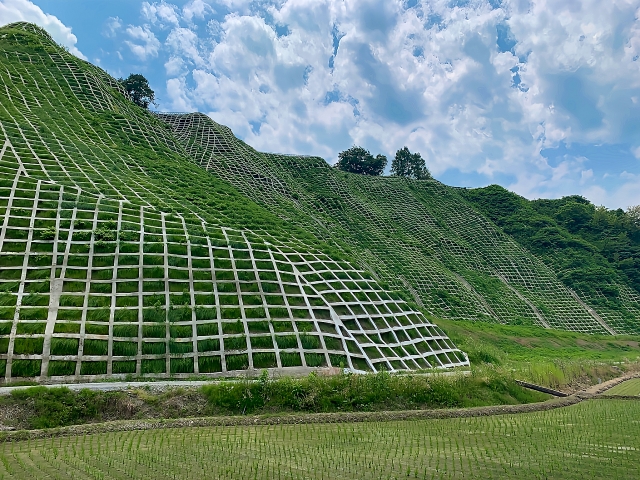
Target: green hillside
{"points": [[120, 255], [594, 251], [420, 237]]}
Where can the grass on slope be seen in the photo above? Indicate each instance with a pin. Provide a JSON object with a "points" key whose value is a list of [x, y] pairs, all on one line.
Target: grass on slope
{"points": [[550, 357], [131, 152], [594, 250], [594, 439], [420, 237], [67, 122], [530, 343]]}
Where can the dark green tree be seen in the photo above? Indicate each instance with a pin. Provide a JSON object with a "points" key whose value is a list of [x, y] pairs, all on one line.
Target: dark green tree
{"points": [[359, 160], [138, 89], [575, 215], [411, 165], [401, 163], [633, 213]]}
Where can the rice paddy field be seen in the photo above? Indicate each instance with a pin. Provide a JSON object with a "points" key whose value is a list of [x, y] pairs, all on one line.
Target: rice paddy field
{"points": [[628, 388], [593, 439]]}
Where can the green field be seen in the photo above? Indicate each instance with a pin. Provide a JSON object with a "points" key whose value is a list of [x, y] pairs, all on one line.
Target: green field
{"points": [[628, 388], [525, 344], [594, 439]]}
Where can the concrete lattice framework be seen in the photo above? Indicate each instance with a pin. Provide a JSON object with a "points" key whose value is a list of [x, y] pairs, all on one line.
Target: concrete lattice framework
{"points": [[445, 231], [186, 298], [102, 275]]}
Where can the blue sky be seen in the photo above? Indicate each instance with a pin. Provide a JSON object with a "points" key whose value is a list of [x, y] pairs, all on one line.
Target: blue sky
{"points": [[540, 96]]}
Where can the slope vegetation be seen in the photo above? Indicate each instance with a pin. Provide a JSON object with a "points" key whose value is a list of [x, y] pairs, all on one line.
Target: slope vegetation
{"points": [[120, 257], [418, 236], [594, 251]]}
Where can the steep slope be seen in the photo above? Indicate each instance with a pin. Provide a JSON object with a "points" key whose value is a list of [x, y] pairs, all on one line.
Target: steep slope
{"points": [[420, 237], [593, 250], [118, 256]]}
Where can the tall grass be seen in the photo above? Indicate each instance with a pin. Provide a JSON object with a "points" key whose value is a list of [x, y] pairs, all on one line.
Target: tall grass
{"points": [[209, 364], [128, 366], [25, 368], [381, 391], [154, 366], [93, 368], [237, 362], [28, 346], [64, 346], [181, 365], [59, 368], [95, 347]]}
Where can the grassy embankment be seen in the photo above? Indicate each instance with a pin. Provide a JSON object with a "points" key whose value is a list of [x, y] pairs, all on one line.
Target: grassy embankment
{"points": [[499, 354], [38, 407], [555, 358]]}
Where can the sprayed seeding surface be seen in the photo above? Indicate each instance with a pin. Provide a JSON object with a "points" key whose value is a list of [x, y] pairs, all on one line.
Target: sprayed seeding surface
{"points": [[109, 267], [594, 439]]}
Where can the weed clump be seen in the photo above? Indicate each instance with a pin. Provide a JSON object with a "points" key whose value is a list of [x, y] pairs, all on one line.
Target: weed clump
{"points": [[347, 392]]}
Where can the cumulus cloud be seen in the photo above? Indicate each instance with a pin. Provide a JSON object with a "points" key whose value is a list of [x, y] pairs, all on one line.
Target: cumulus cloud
{"points": [[144, 43], [112, 26], [195, 9], [176, 90], [161, 13], [26, 11], [481, 87], [184, 42]]}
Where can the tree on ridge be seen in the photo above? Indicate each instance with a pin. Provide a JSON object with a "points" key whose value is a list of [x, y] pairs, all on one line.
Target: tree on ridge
{"points": [[138, 89], [411, 165], [634, 214], [358, 160]]}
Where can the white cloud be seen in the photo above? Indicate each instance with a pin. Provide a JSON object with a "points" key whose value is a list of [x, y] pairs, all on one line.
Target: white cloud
{"points": [[629, 176], [144, 44], [175, 66], [636, 153], [473, 87], [25, 11], [586, 175], [626, 195], [195, 9], [161, 13], [177, 95], [112, 26], [184, 42]]}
